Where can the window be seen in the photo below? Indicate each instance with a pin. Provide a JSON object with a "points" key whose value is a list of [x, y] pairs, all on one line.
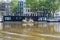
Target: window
{"points": [[7, 18]]}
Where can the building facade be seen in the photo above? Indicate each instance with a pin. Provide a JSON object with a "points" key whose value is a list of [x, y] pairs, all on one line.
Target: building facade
{"points": [[20, 4], [7, 8], [22, 7], [2, 9], [57, 14]]}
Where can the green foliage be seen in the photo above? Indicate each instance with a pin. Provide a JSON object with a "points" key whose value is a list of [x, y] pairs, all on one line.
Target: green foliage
{"points": [[14, 6], [33, 4], [45, 4]]}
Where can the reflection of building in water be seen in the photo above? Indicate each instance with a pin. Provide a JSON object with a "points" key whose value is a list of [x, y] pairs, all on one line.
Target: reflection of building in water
{"points": [[1, 26], [43, 25], [7, 26], [57, 27], [1, 38]]}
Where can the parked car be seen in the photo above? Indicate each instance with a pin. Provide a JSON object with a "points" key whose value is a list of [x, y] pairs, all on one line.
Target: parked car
{"points": [[52, 20], [42, 19]]}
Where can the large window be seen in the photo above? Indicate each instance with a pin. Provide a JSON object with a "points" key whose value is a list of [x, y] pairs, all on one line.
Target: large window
{"points": [[7, 18]]}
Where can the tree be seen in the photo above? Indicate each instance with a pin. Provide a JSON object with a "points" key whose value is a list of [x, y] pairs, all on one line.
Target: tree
{"points": [[32, 4], [50, 5], [54, 6], [14, 6]]}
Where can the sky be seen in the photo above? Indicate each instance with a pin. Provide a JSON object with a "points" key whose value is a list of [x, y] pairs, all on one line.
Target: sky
{"points": [[9, 0], [5, 0]]}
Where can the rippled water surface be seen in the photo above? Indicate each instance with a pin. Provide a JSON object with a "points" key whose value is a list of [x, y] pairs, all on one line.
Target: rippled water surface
{"points": [[23, 31]]}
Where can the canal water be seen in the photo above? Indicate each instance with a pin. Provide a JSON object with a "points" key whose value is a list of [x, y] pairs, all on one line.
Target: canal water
{"points": [[37, 31]]}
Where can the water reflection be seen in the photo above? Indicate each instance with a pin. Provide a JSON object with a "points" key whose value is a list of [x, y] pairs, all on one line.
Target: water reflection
{"points": [[1, 26], [1, 38], [57, 27], [52, 28], [40, 27], [34, 30], [27, 24], [7, 25]]}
